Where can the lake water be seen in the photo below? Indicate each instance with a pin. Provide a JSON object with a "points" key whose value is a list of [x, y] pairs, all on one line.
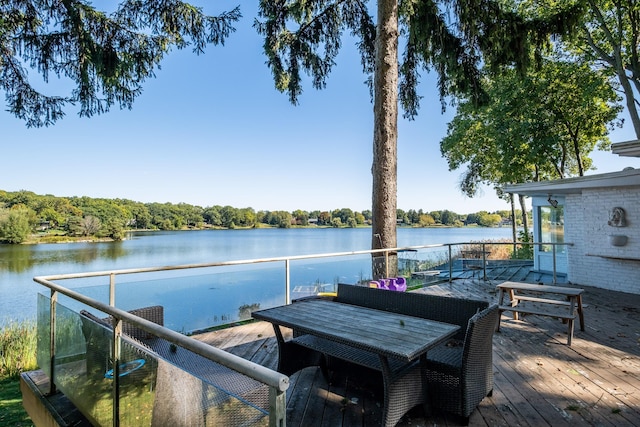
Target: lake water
{"points": [[205, 299]]}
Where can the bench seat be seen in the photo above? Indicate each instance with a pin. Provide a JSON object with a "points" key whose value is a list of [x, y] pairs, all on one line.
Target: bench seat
{"points": [[539, 311]]}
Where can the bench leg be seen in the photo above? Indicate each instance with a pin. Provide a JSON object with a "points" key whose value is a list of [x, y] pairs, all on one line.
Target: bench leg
{"points": [[499, 320], [580, 313], [514, 302], [570, 333]]}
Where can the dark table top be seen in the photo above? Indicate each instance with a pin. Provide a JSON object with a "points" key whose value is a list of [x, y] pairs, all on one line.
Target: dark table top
{"points": [[388, 334]]}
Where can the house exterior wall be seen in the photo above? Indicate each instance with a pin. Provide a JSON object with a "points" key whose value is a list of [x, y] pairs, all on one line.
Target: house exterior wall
{"points": [[593, 260]]}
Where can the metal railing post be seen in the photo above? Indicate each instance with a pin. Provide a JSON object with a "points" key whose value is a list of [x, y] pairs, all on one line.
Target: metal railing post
{"points": [[450, 266], [277, 407], [112, 290], [386, 263], [287, 281], [53, 302], [554, 263], [484, 262], [117, 349]]}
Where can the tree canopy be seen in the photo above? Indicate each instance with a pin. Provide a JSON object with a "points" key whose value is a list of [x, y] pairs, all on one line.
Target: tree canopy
{"points": [[53, 218], [105, 56], [535, 126], [538, 125], [611, 37], [454, 38]]}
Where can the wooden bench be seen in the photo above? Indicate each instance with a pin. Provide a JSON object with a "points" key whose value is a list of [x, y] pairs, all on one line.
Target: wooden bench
{"points": [[542, 295]]}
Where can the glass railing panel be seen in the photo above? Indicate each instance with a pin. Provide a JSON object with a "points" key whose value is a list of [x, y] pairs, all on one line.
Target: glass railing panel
{"points": [[43, 352], [137, 384], [192, 390], [424, 259], [159, 383], [312, 276], [226, 409], [83, 350], [425, 265], [212, 298]]}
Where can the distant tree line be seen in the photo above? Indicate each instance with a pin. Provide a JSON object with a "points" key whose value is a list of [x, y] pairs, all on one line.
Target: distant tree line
{"points": [[23, 213]]}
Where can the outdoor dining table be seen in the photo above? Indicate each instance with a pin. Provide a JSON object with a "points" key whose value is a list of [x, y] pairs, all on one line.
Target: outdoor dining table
{"points": [[394, 344]]}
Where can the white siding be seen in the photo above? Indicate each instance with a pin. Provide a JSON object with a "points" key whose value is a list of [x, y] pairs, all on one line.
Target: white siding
{"points": [[586, 217]]}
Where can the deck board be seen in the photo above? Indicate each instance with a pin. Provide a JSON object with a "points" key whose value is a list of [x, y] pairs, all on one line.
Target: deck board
{"points": [[539, 380]]}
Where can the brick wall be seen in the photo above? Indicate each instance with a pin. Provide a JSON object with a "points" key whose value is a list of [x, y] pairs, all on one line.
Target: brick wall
{"points": [[586, 225]]}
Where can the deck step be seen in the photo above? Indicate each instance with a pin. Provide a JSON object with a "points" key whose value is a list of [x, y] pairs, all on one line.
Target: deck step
{"points": [[54, 410]]}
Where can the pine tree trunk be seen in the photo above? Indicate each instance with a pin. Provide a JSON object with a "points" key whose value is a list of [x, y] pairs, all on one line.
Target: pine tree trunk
{"points": [[385, 138]]}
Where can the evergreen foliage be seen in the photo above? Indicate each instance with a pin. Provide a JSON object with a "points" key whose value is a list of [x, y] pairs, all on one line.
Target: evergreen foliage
{"points": [[453, 38], [106, 56]]}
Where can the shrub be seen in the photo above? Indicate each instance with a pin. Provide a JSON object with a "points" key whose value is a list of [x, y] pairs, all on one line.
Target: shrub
{"points": [[15, 226], [524, 251], [499, 250]]}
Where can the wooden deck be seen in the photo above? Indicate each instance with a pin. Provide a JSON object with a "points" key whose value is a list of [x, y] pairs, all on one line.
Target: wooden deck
{"points": [[539, 380]]}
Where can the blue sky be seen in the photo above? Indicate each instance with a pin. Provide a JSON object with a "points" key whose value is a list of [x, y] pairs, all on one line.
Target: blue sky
{"points": [[212, 130]]}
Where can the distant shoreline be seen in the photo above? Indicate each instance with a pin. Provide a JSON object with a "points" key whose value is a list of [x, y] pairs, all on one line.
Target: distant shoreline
{"points": [[57, 238]]}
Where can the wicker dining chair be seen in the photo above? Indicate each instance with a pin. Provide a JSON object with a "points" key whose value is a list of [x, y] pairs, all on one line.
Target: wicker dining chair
{"points": [[460, 374]]}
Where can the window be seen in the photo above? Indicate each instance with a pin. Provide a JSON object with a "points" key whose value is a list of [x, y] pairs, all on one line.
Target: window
{"points": [[552, 227]]}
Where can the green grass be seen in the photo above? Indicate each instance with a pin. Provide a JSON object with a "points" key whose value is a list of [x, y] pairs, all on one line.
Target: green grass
{"points": [[11, 411], [17, 354]]}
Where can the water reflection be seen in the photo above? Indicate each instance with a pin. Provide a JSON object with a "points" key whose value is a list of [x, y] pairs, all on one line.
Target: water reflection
{"points": [[20, 258], [201, 301]]}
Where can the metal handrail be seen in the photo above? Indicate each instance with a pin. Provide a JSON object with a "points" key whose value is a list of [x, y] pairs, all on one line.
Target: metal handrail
{"points": [[277, 382], [484, 255], [286, 259], [237, 363]]}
